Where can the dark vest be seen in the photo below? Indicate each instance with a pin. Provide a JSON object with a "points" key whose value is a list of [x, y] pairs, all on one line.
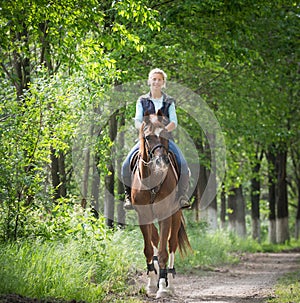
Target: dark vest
{"points": [[148, 105]]}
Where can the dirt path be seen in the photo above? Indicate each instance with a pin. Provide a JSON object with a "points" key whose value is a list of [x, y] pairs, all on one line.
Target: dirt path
{"points": [[252, 280]]}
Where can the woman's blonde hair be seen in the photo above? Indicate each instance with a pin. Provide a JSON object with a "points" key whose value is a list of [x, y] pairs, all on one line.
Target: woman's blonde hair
{"points": [[158, 71]]}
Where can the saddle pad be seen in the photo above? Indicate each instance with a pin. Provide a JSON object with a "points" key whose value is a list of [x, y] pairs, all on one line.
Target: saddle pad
{"points": [[174, 163], [133, 160], [172, 158]]}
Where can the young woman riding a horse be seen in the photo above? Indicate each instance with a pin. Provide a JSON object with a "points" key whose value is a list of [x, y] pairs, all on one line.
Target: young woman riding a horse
{"points": [[157, 186], [150, 103]]}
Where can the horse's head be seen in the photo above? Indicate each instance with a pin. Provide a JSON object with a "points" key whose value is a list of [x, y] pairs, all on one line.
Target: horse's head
{"points": [[155, 140]]}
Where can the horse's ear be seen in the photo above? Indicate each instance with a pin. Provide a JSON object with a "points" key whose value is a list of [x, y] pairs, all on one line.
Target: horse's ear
{"points": [[160, 115], [146, 117]]}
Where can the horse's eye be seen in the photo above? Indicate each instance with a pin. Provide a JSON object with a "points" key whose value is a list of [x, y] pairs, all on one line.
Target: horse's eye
{"points": [[148, 137]]}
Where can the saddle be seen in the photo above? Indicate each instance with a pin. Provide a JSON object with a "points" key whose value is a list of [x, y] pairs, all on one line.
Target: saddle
{"points": [[171, 156]]}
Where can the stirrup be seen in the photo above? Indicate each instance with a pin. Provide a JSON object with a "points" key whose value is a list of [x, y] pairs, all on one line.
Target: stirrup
{"points": [[184, 203], [128, 204]]}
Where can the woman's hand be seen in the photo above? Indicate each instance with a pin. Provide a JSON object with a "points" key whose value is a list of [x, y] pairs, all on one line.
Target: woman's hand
{"points": [[171, 126]]}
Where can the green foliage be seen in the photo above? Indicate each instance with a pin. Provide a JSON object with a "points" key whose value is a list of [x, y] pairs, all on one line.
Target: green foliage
{"points": [[42, 120], [287, 289], [82, 259], [72, 255], [61, 59]]}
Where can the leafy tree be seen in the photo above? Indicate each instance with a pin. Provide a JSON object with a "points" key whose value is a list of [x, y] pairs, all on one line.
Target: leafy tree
{"points": [[39, 40]]}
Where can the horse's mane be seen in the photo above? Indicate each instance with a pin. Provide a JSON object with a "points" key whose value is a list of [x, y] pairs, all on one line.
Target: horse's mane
{"points": [[141, 137]]}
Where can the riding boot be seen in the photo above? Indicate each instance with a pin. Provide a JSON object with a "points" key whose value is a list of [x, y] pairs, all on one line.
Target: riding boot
{"points": [[127, 200], [183, 187]]}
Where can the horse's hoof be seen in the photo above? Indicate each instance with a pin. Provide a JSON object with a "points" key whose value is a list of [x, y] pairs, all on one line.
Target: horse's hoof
{"points": [[171, 290], [163, 290], [151, 291], [162, 294]]}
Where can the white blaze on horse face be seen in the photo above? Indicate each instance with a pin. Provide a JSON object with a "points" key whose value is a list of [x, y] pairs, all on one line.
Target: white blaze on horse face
{"points": [[158, 131], [153, 118]]}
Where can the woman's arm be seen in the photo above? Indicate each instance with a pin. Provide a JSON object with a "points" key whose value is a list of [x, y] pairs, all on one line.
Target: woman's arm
{"points": [[173, 118], [138, 119]]}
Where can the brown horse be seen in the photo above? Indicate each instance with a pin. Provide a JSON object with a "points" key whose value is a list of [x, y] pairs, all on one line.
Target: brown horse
{"points": [[153, 195]]}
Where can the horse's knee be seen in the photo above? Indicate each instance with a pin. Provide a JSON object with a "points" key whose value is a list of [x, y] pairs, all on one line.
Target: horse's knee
{"points": [[148, 252], [162, 258], [173, 246]]}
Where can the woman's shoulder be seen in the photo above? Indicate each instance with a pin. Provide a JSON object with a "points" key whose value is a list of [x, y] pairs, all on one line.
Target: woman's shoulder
{"points": [[143, 97], [168, 98]]}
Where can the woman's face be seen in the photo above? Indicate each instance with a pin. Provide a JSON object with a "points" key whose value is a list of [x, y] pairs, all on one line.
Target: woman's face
{"points": [[156, 81]]}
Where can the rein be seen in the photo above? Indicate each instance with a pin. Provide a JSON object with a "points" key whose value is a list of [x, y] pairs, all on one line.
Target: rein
{"points": [[150, 153]]}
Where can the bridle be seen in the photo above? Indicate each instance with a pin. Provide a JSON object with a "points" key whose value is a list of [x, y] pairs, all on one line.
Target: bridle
{"points": [[150, 151], [152, 158]]}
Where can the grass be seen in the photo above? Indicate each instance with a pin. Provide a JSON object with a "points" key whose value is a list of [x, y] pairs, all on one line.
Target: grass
{"points": [[93, 264], [288, 289], [81, 270]]}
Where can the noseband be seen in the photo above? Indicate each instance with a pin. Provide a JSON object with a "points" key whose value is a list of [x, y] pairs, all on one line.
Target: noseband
{"points": [[151, 151]]}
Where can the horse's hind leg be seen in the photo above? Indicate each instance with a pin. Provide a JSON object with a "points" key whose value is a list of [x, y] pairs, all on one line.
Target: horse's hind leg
{"points": [[171, 273], [151, 287], [173, 244]]}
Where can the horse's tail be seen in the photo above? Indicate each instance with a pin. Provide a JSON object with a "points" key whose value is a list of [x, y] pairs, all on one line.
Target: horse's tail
{"points": [[183, 240]]}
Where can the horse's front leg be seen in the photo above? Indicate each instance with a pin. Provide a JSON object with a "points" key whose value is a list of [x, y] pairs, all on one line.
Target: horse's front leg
{"points": [[171, 273], [165, 226], [155, 241], [151, 287]]}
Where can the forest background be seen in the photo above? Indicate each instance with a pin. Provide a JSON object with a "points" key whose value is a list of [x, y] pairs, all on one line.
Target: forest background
{"points": [[60, 63]]}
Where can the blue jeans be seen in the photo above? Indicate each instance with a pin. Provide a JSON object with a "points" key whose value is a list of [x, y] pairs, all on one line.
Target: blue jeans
{"points": [[182, 164]]}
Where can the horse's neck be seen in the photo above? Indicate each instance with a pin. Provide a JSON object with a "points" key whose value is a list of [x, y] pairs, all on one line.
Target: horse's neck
{"points": [[144, 167]]}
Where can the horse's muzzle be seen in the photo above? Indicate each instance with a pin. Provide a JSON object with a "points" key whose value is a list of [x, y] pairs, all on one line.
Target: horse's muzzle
{"points": [[162, 161]]}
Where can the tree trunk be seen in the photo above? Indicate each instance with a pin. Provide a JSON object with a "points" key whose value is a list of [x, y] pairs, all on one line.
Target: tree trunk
{"points": [[86, 171], [297, 224], [295, 155], [120, 207], [109, 204], [236, 212], [95, 188], [55, 174], [201, 183], [58, 175], [223, 207], [208, 211], [85, 179], [232, 210], [240, 217], [272, 195], [210, 207], [62, 175], [282, 225], [255, 196], [21, 64]]}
